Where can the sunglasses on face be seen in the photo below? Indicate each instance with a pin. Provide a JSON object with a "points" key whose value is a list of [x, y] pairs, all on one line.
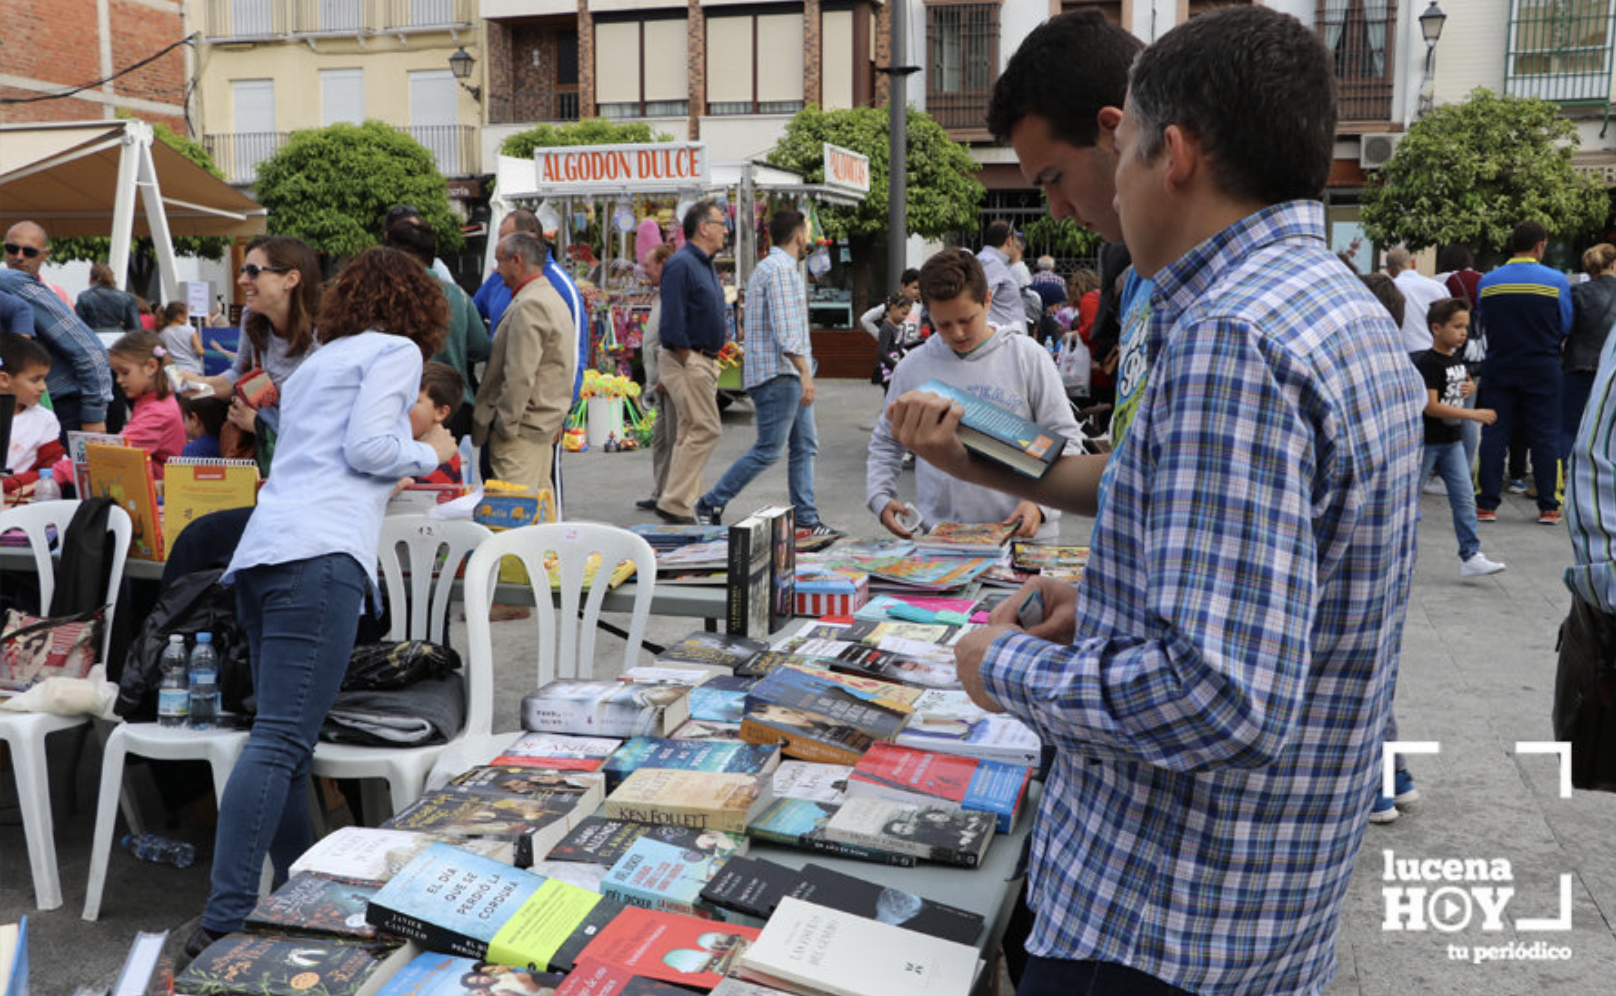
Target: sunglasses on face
{"points": [[252, 270], [27, 252]]}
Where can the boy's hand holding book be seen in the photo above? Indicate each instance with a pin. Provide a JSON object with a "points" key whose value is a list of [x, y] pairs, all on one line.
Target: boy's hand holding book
{"points": [[442, 442], [928, 426]]}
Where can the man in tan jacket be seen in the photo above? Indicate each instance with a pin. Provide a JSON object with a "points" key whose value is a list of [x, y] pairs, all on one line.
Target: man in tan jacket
{"points": [[527, 388]]}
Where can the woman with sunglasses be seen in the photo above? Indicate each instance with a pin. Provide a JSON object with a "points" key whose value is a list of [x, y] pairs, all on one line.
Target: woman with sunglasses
{"points": [[281, 282]]}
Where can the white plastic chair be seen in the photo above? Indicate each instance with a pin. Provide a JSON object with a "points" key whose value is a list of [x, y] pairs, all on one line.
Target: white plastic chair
{"points": [[566, 644], [419, 559], [25, 732]]}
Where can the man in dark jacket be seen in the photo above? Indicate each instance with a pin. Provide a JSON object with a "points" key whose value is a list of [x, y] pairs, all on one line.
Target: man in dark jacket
{"points": [[1593, 309]]}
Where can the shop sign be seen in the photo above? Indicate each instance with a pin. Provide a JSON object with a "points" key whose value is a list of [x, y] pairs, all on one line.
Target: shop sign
{"points": [[657, 166], [846, 169]]}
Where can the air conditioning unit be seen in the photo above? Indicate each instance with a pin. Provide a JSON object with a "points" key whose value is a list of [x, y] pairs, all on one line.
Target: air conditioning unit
{"points": [[1375, 149]]}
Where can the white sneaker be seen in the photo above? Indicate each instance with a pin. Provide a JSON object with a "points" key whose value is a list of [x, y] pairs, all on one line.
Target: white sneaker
{"points": [[1479, 566], [1435, 487]]}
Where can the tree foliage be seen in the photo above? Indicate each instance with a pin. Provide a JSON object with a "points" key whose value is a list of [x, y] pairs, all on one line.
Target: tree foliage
{"points": [[1060, 236], [943, 189], [589, 131], [142, 256], [332, 186], [1469, 172]]}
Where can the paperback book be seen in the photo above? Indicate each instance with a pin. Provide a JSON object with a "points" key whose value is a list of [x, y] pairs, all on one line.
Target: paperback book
{"points": [[689, 755], [532, 826], [709, 800], [701, 647], [770, 660], [433, 974], [600, 840], [720, 700], [781, 520], [606, 708], [555, 750], [375, 854], [746, 890], [660, 876], [270, 965], [800, 823], [747, 585], [685, 950], [948, 722], [1000, 435], [980, 539], [883, 904], [808, 780], [935, 833], [315, 904], [561, 790], [904, 774], [815, 718], [591, 978]]}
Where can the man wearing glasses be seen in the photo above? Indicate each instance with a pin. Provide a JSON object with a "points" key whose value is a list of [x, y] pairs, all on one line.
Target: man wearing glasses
{"points": [[692, 334], [80, 381]]}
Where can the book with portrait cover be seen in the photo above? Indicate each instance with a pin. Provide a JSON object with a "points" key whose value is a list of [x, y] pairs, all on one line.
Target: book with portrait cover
{"points": [[532, 826], [660, 876], [800, 823], [561, 790], [272, 965], [936, 833], [592, 978], [746, 582], [815, 718], [684, 950], [689, 755], [782, 521], [720, 700], [710, 800], [905, 774], [315, 904], [999, 434], [433, 974], [818, 951], [558, 751], [599, 840]]}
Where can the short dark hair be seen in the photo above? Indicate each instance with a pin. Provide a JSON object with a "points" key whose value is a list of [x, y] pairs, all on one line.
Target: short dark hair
{"points": [[1256, 88], [1527, 235], [909, 276], [951, 273], [784, 225], [19, 353], [413, 239], [444, 385], [1441, 311], [696, 215], [1454, 256], [1069, 68], [211, 411], [1387, 293], [523, 220], [175, 312], [997, 233]]}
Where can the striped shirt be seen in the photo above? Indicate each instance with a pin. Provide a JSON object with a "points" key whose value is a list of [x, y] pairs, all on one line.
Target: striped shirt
{"points": [[1590, 503], [1219, 713], [1527, 308], [776, 320]]}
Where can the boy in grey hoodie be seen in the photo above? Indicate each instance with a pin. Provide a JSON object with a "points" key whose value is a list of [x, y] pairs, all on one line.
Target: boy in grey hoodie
{"points": [[965, 351]]}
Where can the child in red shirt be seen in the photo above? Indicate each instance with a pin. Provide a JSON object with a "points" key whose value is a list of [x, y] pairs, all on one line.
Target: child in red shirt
{"points": [[155, 424], [442, 392]]}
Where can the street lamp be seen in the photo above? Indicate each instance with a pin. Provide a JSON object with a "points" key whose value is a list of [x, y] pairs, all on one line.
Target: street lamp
{"points": [[461, 62], [1431, 29]]}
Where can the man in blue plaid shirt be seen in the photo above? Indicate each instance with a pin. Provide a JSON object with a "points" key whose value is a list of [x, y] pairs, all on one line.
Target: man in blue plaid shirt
{"points": [[1217, 686], [777, 372]]}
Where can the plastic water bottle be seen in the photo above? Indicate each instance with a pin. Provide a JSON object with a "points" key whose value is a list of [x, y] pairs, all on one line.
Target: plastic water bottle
{"points": [[159, 850], [204, 683], [47, 489], [173, 692]]}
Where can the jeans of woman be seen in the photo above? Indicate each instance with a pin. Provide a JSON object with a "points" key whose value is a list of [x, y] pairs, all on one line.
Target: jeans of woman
{"points": [[300, 619]]}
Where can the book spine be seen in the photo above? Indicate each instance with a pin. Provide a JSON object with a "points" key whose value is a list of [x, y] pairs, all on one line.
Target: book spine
{"points": [[796, 745], [738, 582], [430, 936], [858, 852]]}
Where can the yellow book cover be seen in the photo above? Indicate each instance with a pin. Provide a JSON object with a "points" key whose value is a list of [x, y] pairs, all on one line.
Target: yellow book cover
{"points": [[192, 488], [124, 474], [707, 800], [540, 930]]}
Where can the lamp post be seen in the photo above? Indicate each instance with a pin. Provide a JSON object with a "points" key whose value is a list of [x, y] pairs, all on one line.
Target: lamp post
{"points": [[1431, 30], [461, 62]]}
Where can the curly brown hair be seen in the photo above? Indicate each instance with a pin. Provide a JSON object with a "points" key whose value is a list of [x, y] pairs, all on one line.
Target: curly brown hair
{"points": [[385, 290]]}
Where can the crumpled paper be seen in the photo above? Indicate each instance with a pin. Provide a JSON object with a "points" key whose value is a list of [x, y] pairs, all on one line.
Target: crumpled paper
{"points": [[90, 696]]}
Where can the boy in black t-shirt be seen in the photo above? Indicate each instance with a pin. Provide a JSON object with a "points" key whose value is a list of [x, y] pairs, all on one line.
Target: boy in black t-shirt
{"points": [[1447, 384]]}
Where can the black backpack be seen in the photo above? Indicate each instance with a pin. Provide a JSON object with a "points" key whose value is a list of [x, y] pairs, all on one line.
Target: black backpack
{"points": [[192, 604], [83, 571]]}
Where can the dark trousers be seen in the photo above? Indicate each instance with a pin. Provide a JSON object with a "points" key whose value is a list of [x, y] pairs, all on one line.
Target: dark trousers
{"points": [[1054, 977], [1574, 393], [1530, 400]]}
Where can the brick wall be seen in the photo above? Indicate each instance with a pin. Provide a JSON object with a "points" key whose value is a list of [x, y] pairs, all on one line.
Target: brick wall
{"points": [[883, 51], [812, 65], [57, 44], [586, 61], [697, 27]]}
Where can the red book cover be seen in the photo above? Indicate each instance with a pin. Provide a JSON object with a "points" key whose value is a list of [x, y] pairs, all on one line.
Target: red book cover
{"points": [[591, 978], [684, 950], [940, 776]]}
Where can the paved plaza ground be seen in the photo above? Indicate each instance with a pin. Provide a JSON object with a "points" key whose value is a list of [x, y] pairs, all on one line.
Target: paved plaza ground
{"points": [[1477, 678]]}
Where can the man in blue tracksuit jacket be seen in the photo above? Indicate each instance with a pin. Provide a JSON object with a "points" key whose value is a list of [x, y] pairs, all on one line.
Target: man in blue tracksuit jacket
{"points": [[1527, 310]]}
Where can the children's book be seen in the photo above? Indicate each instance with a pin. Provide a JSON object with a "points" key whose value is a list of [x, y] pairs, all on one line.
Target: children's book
{"points": [[270, 965], [999, 434], [710, 800], [938, 833], [879, 606], [558, 751], [193, 487], [689, 755], [904, 774], [982, 539], [924, 575], [747, 587], [601, 840], [605, 708], [124, 474], [433, 974], [78, 451], [839, 891], [315, 904], [818, 951], [800, 823], [685, 950], [661, 876], [948, 722]]}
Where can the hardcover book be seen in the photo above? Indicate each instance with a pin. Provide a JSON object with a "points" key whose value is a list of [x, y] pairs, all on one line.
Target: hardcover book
{"points": [[375, 855], [269, 965], [314, 904], [800, 823], [660, 876], [599, 840], [824, 952], [828, 887], [605, 708], [712, 648], [125, 474], [684, 950], [434, 974], [746, 585], [782, 521], [689, 755], [934, 833], [904, 774], [532, 826], [999, 434], [710, 800], [556, 750]]}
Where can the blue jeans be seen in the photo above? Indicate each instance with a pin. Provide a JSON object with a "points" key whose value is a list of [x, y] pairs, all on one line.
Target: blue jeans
{"points": [[782, 419], [1448, 460], [300, 619]]}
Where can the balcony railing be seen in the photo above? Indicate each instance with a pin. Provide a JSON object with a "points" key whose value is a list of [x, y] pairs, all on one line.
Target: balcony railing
{"points": [[454, 146], [1362, 36], [1559, 50], [279, 18], [961, 65], [238, 153]]}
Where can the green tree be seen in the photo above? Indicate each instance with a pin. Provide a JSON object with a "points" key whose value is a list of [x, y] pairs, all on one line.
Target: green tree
{"points": [[589, 131], [943, 190], [1469, 172], [142, 256], [332, 186], [1060, 236]]}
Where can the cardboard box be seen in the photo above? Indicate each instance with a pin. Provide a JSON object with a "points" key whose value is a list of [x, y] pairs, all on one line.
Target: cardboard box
{"points": [[831, 593], [514, 509]]}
